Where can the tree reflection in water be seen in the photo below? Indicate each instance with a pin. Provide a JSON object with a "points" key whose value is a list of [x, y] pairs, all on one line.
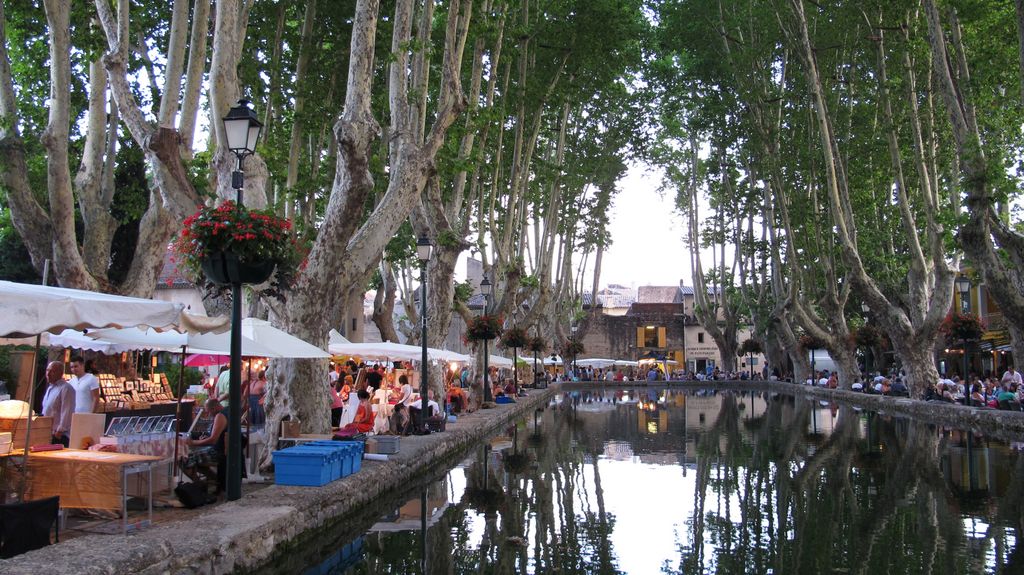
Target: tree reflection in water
{"points": [[774, 484]]}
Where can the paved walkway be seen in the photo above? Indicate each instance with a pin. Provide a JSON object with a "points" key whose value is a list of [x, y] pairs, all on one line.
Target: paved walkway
{"points": [[244, 534]]}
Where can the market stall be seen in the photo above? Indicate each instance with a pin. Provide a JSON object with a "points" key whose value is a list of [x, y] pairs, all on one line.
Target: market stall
{"points": [[27, 310]]}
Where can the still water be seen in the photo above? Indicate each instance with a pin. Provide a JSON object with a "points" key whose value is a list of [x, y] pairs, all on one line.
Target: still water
{"points": [[663, 481]]}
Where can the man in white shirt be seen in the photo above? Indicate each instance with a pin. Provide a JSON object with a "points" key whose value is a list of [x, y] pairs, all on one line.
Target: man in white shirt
{"points": [[86, 386], [1011, 376], [59, 402]]}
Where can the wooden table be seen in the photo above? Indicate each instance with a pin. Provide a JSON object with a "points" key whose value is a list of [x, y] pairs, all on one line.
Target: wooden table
{"points": [[88, 479]]}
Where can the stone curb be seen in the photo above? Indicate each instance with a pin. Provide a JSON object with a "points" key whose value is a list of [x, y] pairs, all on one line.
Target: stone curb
{"points": [[244, 534]]}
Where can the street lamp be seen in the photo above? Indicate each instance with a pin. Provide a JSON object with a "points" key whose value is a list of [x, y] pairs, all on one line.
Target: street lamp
{"points": [[573, 329], [963, 285], [423, 249], [865, 309], [242, 131], [485, 289]]}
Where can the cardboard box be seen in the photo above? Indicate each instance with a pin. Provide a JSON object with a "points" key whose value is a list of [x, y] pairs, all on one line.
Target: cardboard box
{"points": [[290, 428]]}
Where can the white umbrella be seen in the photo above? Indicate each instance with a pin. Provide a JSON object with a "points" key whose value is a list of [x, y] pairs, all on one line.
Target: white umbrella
{"points": [[625, 363], [282, 343], [31, 309]]}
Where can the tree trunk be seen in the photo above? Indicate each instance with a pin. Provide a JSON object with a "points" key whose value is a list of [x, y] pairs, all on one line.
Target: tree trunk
{"points": [[384, 304]]}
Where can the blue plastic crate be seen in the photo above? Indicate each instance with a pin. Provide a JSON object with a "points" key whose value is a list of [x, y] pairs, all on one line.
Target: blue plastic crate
{"points": [[331, 454], [355, 453], [344, 450], [306, 468]]}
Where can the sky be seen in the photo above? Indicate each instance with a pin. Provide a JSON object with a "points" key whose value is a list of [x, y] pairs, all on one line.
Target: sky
{"points": [[647, 235]]}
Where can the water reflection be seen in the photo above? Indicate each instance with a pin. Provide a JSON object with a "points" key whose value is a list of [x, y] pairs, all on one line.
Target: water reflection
{"points": [[654, 480]]}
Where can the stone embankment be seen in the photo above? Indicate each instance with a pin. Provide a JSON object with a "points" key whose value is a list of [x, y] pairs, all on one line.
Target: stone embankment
{"points": [[242, 535]]}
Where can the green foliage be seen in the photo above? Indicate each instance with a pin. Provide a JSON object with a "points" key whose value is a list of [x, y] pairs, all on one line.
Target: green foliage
{"points": [[15, 264], [190, 376], [464, 291]]}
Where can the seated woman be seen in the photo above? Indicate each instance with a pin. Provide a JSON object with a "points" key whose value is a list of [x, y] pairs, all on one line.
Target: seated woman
{"points": [[203, 461], [497, 390], [363, 422], [456, 398]]}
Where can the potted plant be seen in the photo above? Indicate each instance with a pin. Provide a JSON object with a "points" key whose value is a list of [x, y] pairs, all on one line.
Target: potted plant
{"points": [[229, 243]]}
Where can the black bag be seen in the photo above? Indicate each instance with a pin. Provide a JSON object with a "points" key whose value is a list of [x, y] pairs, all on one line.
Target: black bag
{"points": [[191, 495]]}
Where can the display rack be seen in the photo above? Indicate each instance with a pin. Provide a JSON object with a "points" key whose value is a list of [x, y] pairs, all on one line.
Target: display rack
{"points": [[118, 393]]}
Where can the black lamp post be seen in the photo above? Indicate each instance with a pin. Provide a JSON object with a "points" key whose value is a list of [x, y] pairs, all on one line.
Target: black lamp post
{"points": [[574, 372], [866, 310], [423, 249], [485, 289], [963, 285], [242, 131]]}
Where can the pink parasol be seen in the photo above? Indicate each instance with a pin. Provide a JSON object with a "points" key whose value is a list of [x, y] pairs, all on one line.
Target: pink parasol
{"points": [[205, 359]]}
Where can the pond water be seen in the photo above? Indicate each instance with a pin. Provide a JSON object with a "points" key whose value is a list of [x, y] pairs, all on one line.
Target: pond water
{"points": [[670, 481]]}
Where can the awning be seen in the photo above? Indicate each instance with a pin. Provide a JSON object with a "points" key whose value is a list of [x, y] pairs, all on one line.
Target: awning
{"points": [[27, 309]]}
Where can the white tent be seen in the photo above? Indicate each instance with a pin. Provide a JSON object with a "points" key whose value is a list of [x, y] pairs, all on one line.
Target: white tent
{"points": [[499, 361], [552, 360], [334, 337], [282, 343], [595, 362], [625, 363], [27, 309], [446, 355], [211, 343], [393, 351]]}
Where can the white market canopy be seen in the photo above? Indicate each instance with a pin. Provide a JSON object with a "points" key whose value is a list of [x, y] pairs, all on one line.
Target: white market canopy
{"points": [[625, 363], [595, 362], [498, 361], [27, 309], [282, 343], [387, 350], [209, 343], [552, 360]]}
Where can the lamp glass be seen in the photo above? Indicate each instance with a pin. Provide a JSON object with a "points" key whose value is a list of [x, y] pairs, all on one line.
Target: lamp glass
{"points": [[423, 248], [242, 128], [485, 286], [963, 284]]}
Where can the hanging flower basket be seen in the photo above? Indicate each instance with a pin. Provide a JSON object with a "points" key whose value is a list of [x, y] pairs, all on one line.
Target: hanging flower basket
{"points": [[484, 327], [868, 336], [572, 347], [229, 243], [224, 268], [962, 327], [514, 337], [536, 344], [808, 341], [749, 347]]}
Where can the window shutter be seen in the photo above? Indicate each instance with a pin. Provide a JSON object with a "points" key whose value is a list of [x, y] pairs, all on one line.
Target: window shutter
{"points": [[640, 337], [661, 337]]}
